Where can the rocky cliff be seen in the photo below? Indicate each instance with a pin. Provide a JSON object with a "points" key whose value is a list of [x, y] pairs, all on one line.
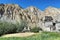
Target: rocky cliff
{"points": [[10, 12], [33, 16]]}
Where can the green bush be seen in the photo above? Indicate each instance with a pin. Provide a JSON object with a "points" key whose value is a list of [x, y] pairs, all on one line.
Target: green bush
{"points": [[10, 28], [35, 29], [21, 26], [7, 28], [1, 29]]}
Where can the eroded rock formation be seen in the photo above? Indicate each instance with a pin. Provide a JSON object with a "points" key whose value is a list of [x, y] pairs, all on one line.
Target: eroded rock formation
{"points": [[33, 16]]}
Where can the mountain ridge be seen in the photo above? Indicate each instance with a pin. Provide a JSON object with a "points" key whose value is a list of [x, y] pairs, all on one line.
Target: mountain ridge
{"points": [[34, 16]]}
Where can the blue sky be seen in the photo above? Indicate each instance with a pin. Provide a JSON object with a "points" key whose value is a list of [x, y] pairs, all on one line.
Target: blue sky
{"points": [[41, 4]]}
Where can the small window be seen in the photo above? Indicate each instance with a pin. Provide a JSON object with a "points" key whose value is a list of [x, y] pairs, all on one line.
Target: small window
{"points": [[54, 24]]}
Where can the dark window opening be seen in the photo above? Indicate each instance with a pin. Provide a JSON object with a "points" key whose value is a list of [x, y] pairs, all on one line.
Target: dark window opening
{"points": [[54, 24], [48, 18]]}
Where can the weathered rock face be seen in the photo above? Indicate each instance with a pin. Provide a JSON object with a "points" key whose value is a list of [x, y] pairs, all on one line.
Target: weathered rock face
{"points": [[13, 13], [53, 12], [10, 12], [33, 16]]}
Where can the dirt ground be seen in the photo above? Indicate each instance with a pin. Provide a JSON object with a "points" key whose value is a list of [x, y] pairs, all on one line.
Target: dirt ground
{"points": [[19, 34]]}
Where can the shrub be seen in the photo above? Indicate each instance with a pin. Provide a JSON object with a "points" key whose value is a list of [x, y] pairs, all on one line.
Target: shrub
{"points": [[21, 26], [7, 28], [35, 29], [1, 29]]}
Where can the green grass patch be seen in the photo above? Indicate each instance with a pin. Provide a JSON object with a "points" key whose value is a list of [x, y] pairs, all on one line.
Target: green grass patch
{"points": [[38, 36]]}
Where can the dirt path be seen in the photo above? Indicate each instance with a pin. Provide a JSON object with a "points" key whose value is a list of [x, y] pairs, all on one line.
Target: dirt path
{"points": [[19, 35]]}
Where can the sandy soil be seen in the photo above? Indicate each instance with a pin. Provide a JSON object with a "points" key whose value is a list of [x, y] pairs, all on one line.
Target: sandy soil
{"points": [[19, 35]]}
